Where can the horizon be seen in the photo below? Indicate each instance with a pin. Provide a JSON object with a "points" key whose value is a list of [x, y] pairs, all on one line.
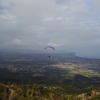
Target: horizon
{"points": [[44, 52]]}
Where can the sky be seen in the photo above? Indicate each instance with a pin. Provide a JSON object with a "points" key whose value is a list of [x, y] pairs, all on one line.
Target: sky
{"points": [[67, 25]]}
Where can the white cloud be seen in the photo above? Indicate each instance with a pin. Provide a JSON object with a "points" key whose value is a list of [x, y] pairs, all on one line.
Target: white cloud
{"points": [[59, 18], [53, 44], [7, 16], [16, 42], [49, 19], [64, 7], [69, 18]]}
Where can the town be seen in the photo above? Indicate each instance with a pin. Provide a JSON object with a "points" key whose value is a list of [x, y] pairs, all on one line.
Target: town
{"points": [[60, 66]]}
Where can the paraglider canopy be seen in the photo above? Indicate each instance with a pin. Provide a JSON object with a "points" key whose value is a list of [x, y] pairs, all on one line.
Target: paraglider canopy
{"points": [[49, 47]]}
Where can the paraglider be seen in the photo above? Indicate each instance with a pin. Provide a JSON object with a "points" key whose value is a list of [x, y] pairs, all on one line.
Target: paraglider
{"points": [[49, 47]]}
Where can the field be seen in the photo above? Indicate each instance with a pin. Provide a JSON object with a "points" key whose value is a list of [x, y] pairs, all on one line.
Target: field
{"points": [[38, 68]]}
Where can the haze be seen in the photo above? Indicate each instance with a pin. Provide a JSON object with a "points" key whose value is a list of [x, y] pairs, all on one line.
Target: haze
{"points": [[68, 25]]}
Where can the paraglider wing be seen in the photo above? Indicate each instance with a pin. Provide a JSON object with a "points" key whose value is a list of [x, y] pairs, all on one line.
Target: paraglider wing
{"points": [[49, 47]]}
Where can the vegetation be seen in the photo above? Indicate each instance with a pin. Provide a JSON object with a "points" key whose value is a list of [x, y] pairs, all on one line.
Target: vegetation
{"points": [[14, 91]]}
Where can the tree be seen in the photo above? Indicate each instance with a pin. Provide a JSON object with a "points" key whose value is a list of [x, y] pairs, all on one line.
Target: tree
{"points": [[97, 97], [36, 87], [34, 98]]}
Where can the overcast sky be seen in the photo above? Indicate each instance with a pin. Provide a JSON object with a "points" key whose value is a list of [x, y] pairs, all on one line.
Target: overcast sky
{"points": [[68, 25]]}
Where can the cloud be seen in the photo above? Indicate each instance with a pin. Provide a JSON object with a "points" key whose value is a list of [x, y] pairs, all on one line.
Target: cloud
{"points": [[16, 42], [59, 18], [49, 19], [5, 15], [95, 5], [66, 24]]}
